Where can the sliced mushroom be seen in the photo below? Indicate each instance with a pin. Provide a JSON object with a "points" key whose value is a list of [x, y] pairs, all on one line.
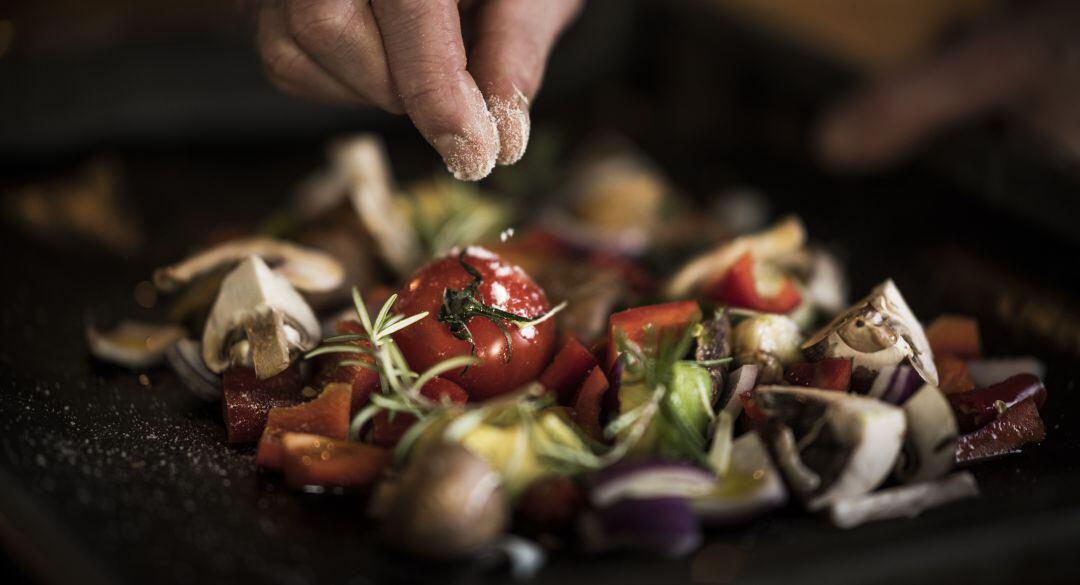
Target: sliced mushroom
{"points": [[258, 319], [305, 269], [830, 445], [785, 237], [769, 341], [185, 358], [751, 486], [930, 441], [903, 501], [363, 162], [133, 344], [878, 331]]}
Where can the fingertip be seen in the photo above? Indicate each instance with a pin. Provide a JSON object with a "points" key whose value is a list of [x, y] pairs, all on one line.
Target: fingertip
{"points": [[512, 121], [470, 153]]}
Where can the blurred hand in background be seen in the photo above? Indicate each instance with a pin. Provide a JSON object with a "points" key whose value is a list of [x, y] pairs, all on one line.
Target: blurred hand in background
{"points": [[1027, 68], [409, 56]]}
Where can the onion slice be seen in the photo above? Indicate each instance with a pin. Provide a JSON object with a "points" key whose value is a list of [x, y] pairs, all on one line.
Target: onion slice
{"points": [[902, 502]]}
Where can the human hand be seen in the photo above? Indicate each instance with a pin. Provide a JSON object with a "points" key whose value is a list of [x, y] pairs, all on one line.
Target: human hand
{"points": [[1027, 69], [409, 56]]}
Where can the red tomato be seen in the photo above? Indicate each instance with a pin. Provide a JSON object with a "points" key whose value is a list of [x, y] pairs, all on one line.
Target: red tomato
{"points": [[501, 369], [739, 287]]}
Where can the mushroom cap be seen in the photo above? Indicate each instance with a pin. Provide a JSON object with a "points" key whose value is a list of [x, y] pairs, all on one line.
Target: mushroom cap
{"points": [[930, 442], [449, 503], [306, 269], [880, 330], [253, 299]]}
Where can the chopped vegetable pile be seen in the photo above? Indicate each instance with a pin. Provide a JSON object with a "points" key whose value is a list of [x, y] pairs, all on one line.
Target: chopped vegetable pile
{"points": [[600, 389]]}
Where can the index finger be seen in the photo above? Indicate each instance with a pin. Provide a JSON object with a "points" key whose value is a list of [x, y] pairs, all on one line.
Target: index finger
{"points": [[426, 54]]}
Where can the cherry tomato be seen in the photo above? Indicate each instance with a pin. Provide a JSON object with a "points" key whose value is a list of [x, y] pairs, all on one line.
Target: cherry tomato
{"points": [[506, 287]]}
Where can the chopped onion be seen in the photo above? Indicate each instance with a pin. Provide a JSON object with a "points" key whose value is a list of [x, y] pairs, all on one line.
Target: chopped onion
{"points": [[989, 371], [649, 480], [895, 384], [664, 526], [751, 486], [739, 381], [902, 502], [185, 358]]}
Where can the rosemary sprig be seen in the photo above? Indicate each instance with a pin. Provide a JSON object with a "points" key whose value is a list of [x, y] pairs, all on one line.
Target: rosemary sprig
{"points": [[459, 306], [399, 385]]}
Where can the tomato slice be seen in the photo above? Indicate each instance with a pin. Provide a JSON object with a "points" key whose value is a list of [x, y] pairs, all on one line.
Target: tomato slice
{"points": [[568, 370], [326, 415], [246, 400], [314, 460], [739, 287], [387, 431], [589, 402], [668, 320]]}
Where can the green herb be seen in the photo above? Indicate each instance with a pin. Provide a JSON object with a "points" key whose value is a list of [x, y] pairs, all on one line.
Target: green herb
{"points": [[459, 306], [399, 385]]}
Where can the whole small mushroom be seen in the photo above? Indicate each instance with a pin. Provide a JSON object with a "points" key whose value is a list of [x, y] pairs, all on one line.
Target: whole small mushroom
{"points": [[448, 504]]}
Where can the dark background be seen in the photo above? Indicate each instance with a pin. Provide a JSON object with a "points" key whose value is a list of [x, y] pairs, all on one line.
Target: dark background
{"points": [[105, 479]]}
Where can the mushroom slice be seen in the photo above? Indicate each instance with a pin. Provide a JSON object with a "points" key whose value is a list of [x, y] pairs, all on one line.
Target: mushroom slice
{"points": [[930, 442], [133, 344], [878, 331], [840, 444], [785, 237], [363, 162], [306, 269], [258, 319]]}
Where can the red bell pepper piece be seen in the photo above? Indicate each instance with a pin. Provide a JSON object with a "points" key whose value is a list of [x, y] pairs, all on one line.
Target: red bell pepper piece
{"points": [[954, 335], [751, 408], [314, 460], [977, 408], [568, 370], [1015, 428], [739, 287], [589, 403], [246, 400], [953, 374], [364, 381], [386, 432], [667, 320], [327, 415], [828, 374]]}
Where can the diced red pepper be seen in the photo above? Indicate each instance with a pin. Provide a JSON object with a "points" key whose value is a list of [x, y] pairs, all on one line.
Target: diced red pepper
{"points": [[566, 372], [363, 380], [386, 432], [321, 461], [751, 408], [246, 400], [1015, 428], [827, 374], [954, 335], [667, 320], [739, 287], [953, 374], [550, 504], [800, 374], [326, 415], [977, 408], [589, 403]]}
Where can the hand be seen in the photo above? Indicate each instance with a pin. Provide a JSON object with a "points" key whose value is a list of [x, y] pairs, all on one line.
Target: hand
{"points": [[408, 56], [1028, 69]]}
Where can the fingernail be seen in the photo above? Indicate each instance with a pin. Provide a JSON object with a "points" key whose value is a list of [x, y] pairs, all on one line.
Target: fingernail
{"points": [[513, 123]]}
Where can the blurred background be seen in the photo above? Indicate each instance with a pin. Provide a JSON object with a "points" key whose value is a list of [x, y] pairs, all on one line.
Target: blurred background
{"points": [[139, 128]]}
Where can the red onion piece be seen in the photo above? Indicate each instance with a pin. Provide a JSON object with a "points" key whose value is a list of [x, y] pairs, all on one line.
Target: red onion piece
{"points": [[987, 371], [664, 526], [649, 480], [739, 381], [977, 408], [895, 384], [756, 486]]}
